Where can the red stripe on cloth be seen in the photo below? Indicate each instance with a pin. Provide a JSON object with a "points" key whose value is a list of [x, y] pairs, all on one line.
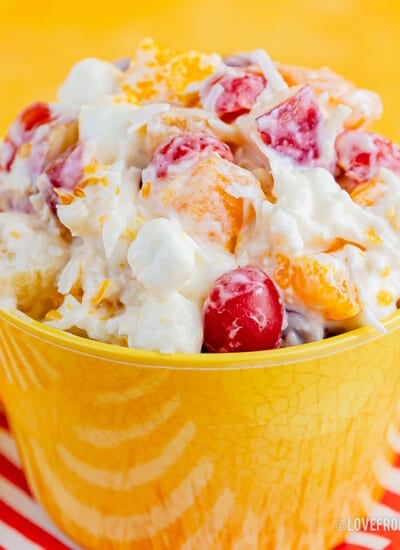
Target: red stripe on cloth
{"points": [[13, 474], [391, 500], [396, 462], [29, 530], [3, 421], [349, 546]]}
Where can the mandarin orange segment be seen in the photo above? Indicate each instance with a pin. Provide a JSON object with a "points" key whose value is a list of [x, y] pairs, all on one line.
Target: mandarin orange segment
{"points": [[339, 243], [321, 80], [205, 200], [368, 193], [323, 283], [186, 68], [282, 271], [169, 70]]}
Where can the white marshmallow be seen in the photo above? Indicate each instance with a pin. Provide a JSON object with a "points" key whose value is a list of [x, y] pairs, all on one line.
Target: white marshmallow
{"points": [[89, 80], [106, 126], [171, 326], [162, 257]]}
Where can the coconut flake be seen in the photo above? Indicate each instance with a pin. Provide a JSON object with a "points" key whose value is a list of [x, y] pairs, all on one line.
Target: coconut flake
{"points": [[268, 67], [145, 113]]}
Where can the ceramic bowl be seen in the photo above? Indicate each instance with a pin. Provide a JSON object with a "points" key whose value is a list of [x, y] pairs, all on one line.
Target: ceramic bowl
{"points": [[130, 449]]}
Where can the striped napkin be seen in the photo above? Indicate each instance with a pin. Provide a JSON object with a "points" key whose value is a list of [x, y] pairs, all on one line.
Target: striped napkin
{"points": [[25, 526]]}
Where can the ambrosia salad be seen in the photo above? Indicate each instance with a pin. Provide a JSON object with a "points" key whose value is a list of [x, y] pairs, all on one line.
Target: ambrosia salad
{"points": [[189, 202]]}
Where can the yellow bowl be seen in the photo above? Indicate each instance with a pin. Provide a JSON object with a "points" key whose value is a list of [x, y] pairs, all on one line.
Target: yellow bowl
{"points": [[130, 449]]}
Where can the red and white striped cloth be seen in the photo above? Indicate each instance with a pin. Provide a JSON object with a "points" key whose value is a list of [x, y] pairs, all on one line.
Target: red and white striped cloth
{"points": [[25, 526], [23, 523]]}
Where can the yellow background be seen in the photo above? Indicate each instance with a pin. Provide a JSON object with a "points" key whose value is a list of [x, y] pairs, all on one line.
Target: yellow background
{"points": [[40, 39]]}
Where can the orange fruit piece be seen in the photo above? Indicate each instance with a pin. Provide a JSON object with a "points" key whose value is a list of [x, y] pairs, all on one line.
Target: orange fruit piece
{"points": [[368, 193], [323, 283], [282, 271], [202, 201], [166, 74], [339, 243]]}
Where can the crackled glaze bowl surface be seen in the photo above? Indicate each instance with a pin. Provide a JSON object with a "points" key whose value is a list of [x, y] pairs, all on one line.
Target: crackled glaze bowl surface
{"points": [[135, 450]]}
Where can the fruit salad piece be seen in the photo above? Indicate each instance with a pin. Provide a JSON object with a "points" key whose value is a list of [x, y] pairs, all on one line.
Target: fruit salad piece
{"points": [[186, 147], [322, 80], [22, 130], [159, 74], [360, 155], [368, 193], [66, 170], [237, 93], [292, 128], [243, 312], [238, 60], [27, 269], [302, 328], [202, 198], [40, 133], [35, 115], [334, 90], [178, 121], [323, 283], [64, 173]]}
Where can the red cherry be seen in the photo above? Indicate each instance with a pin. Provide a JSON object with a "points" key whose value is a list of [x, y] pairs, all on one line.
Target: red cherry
{"points": [[361, 154], [243, 312], [186, 147], [65, 172], [292, 128], [22, 130], [35, 115], [239, 95]]}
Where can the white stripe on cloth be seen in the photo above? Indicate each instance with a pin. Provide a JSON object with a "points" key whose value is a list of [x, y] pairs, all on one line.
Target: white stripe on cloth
{"points": [[11, 539], [383, 511], [369, 541], [24, 505], [388, 476], [8, 448]]}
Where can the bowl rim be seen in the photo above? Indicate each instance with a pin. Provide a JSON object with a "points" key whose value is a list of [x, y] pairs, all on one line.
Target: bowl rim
{"points": [[199, 361]]}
